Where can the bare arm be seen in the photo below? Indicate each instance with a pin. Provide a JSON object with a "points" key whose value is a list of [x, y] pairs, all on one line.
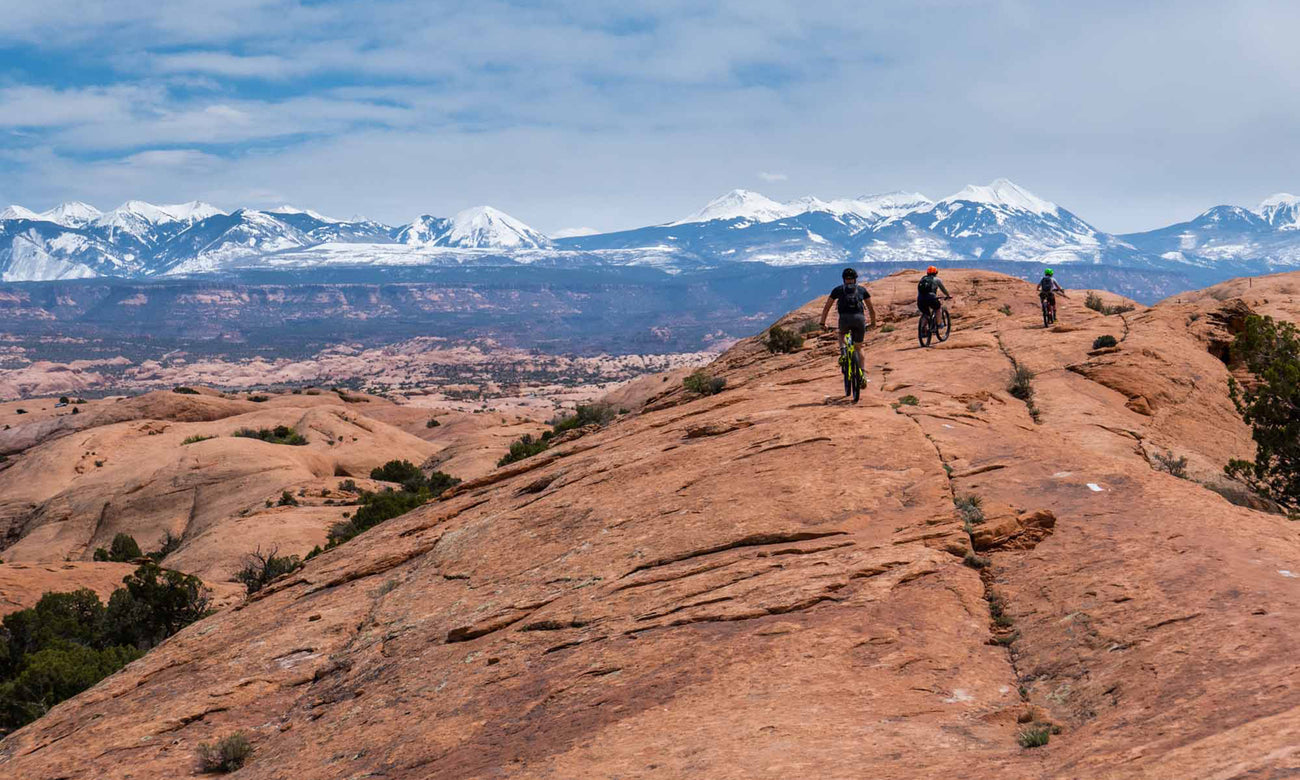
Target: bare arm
{"points": [[826, 310], [941, 287], [872, 310]]}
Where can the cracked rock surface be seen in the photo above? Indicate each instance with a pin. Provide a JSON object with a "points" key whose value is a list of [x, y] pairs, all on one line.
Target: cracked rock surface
{"points": [[769, 583]]}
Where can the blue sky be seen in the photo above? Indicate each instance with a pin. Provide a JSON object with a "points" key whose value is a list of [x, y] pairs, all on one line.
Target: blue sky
{"points": [[613, 115]]}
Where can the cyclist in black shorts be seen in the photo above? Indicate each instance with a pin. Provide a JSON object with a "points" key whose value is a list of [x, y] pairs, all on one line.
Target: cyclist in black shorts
{"points": [[927, 292], [851, 299]]}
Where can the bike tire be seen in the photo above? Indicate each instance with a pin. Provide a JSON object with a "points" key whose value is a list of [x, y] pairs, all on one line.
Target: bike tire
{"points": [[945, 325], [1047, 316], [847, 370], [857, 383], [923, 332]]}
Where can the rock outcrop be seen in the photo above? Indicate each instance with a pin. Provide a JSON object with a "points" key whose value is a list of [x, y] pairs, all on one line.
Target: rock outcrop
{"points": [[770, 582]]}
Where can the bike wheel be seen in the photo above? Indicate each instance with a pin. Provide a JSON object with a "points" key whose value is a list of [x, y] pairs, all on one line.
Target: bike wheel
{"points": [[924, 333], [846, 363], [1047, 316], [945, 325]]}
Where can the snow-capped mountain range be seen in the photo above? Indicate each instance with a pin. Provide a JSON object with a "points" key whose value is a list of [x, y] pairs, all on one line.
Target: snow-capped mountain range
{"points": [[1000, 221]]}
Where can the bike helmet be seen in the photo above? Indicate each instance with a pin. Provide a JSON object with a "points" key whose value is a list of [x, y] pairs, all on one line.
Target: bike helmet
{"points": [[849, 273], [1048, 272], [931, 271]]}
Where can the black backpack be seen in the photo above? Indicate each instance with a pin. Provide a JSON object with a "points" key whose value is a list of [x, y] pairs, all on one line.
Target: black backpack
{"points": [[852, 299], [927, 285], [1045, 286]]}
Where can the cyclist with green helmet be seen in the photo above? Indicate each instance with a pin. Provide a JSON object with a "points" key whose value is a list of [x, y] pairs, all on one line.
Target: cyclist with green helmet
{"points": [[1047, 289]]}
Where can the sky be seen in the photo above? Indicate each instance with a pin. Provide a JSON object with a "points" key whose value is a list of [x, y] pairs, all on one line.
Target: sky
{"points": [[600, 115]]}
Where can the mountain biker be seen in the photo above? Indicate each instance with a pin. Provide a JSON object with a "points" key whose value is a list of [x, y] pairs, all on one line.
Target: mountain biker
{"points": [[1047, 289], [850, 299], [927, 292]]}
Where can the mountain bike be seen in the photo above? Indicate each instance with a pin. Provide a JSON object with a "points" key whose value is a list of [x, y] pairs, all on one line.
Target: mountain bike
{"points": [[854, 379], [932, 324], [1049, 310]]}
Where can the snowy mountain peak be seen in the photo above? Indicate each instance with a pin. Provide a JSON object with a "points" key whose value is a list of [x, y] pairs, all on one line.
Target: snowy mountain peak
{"points": [[1277, 199], [423, 231], [194, 211], [1282, 211], [18, 212], [486, 227], [481, 227], [742, 204], [72, 214], [287, 209], [134, 214], [1004, 193], [887, 205]]}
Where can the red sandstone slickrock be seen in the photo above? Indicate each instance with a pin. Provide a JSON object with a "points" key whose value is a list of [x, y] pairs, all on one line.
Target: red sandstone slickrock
{"points": [[769, 583]]}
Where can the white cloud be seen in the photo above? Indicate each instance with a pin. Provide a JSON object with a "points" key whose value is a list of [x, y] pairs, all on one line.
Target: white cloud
{"points": [[631, 113]]}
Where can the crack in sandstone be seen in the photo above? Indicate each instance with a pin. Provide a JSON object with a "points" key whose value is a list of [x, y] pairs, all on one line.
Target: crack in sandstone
{"points": [[774, 448], [755, 540]]}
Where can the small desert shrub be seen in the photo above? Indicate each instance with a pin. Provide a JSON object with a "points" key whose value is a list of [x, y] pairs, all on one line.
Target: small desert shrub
{"points": [[584, 415], [375, 509], [781, 340], [63, 399], [1005, 309], [227, 755], [432, 423], [809, 326], [170, 544], [280, 434], [1036, 735], [123, 550], [20, 411], [1102, 342], [974, 406], [412, 479], [1094, 302], [348, 486], [1194, 316], [260, 568], [998, 611], [702, 382], [909, 400], [525, 447], [1021, 385], [970, 509], [887, 329], [287, 499], [1167, 462], [185, 390], [196, 438], [975, 561], [75, 410], [257, 399]]}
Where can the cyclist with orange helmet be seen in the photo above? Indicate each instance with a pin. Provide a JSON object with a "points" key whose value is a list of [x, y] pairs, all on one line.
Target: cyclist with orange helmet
{"points": [[927, 291]]}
